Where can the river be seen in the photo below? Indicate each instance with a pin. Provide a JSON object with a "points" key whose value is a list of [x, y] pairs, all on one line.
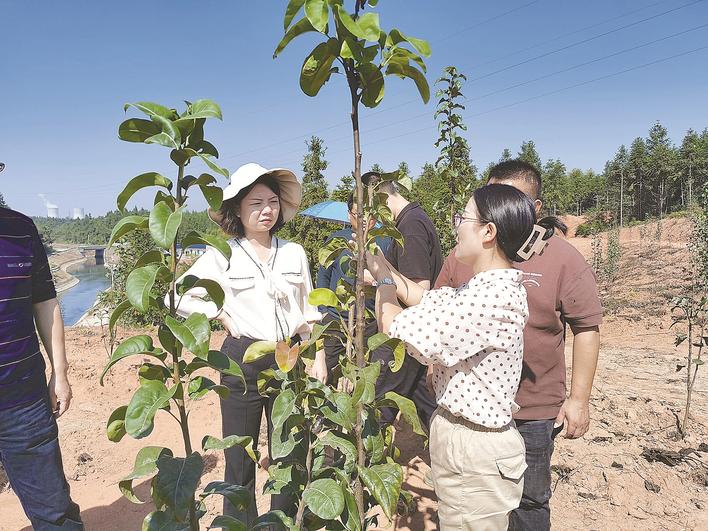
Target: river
{"points": [[77, 300]]}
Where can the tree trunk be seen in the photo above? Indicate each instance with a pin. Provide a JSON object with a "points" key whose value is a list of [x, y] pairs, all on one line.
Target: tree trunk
{"points": [[622, 198], [359, 286]]}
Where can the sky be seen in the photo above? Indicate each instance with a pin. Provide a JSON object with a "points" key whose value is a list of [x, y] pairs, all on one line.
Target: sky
{"points": [[578, 78]]}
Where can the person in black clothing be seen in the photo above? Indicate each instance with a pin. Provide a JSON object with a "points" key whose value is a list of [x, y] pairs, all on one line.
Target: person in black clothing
{"points": [[420, 259], [329, 277]]}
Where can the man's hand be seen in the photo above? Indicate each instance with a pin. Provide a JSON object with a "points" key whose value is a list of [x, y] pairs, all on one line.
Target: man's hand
{"points": [[59, 394], [576, 415], [319, 367]]}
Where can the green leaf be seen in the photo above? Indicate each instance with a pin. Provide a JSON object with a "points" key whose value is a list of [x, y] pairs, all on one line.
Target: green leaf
{"points": [[147, 400], [193, 333], [369, 25], [340, 410], [290, 12], [204, 109], [207, 159], [279, 476], [240, 497], [161, 521], [349, 23], [407, 409], [145, 465], [282, 442], [212, 443], [116, 313], [201, 385], [372, 83], [214, 196], [373, 439], [139, 284], [364, 382], [228, 522], [274, 521], [136, 345], [317, 13], [141, 181], [126, 225], [421, 46], [137, 130], [164, 224], [150, 257], [343, 445], [384, 483], [316, 68], [413, 73], [152, 109], [300, 27], [150, 371], [323, 296], [283, 407], [177, 480], [225, 365], [324, 498], [115, 427], [200, 238], [146, 461], [257, 350], [212, 288], [352, 521]]}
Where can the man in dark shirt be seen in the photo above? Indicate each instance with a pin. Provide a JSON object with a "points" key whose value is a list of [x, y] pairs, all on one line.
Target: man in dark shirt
{"points": [[29, 447], [420, 260], [329, 277]]}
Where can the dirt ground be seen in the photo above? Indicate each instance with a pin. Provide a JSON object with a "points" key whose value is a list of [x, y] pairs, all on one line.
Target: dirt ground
{"points": [[601, 481]]}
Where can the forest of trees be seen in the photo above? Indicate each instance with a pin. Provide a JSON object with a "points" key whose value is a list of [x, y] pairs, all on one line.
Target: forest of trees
{"points": [[651, 178]]}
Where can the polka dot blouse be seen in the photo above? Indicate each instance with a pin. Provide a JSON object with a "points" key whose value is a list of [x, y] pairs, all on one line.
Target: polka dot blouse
{"points": [[473, 338]]}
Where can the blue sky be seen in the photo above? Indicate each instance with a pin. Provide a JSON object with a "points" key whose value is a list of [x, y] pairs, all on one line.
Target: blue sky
{"points": [[67, 68]]}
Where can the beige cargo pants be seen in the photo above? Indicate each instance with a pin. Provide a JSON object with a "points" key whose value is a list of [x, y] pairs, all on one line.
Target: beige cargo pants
{"points": [[477, 473]]}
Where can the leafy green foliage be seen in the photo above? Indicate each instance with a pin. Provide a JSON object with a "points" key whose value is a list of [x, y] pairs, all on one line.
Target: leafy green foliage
{"points": [[306, 412], [148, 266]]}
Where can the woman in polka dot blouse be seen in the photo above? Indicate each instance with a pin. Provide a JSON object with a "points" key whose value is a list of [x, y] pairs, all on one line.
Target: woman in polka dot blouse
{"points": [[473, 338]]}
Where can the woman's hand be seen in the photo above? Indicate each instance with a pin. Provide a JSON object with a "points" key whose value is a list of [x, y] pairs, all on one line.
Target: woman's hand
{"points": [[377, 265], [319, 367], [228, 323]]}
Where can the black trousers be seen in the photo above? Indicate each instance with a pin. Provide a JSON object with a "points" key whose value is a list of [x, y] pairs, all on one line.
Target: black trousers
{"points": [[241, 415], [408, 381]]}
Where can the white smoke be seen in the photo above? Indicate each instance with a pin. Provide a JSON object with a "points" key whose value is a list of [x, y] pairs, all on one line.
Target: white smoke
{"points": [[46, 202]]}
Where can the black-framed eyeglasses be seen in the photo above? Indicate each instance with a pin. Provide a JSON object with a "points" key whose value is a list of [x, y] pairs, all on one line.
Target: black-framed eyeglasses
{"points": [[458, 219]]}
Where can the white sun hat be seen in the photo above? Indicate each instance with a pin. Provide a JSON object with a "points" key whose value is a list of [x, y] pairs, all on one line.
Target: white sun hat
{"points": [[290, 189]]}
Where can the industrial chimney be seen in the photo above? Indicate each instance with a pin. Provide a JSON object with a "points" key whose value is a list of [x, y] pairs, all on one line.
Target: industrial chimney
{"points": [[52, 209]]}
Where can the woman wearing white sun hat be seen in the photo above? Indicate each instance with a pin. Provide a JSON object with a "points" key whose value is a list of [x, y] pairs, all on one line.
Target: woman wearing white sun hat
{"points": [[266, 286]]}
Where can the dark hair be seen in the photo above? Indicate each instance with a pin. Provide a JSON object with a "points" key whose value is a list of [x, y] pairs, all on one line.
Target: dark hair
{"points": [[373, 178], [516, 169], [511, 211], [231, 223]]}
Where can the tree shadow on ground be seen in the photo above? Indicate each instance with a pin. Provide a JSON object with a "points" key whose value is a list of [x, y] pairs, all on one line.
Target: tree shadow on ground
{"points": [[121, 515], [415, 459]]}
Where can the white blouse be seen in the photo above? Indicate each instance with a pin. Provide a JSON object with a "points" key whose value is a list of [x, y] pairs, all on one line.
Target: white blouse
{"points": [[265, 301], [473, 337]]}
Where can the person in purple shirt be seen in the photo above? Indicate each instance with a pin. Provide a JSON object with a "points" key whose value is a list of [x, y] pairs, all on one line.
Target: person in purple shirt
{"points": [[29, 445]]}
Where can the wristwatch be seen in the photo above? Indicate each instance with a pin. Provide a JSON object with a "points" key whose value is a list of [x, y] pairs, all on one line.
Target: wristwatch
{"points": [[387, 281]]}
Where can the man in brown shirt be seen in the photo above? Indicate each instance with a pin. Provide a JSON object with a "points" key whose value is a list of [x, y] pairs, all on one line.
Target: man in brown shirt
{"points": [[562, 290]]}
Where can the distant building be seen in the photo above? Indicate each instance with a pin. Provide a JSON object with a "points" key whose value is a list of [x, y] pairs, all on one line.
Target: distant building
{"points": [[194, 250], [77, 213]]}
